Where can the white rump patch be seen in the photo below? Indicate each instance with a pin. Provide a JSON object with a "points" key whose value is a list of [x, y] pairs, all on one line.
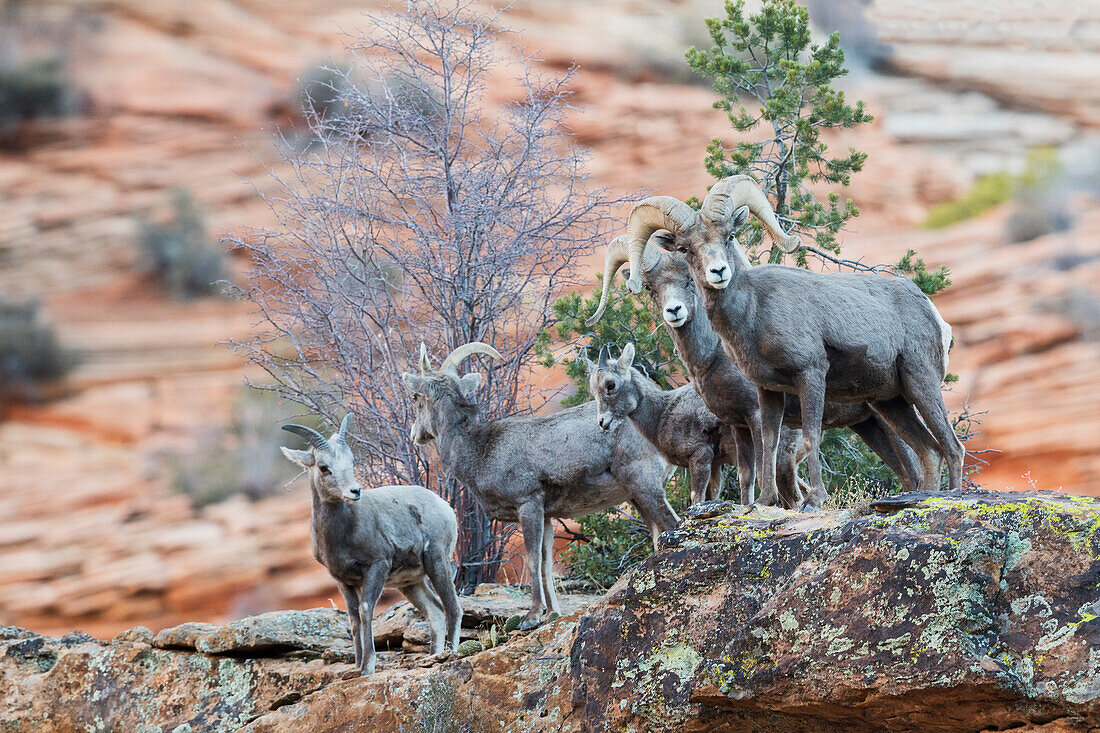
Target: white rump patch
{"points": [[945, 335]]}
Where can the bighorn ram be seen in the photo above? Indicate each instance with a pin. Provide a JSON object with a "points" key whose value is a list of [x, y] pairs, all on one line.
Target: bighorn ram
{"points": [[534, 469], [393, 536], [683, 430], [724, 389], [846, 337]]}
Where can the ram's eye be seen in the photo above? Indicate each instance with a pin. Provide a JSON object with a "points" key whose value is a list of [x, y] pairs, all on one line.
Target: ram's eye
{"points": [[682, 249], [324, 470], [610, 386]]}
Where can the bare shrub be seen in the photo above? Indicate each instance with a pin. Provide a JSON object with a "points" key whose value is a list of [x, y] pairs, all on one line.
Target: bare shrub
{"points": [[421, 215], [436, 709]]}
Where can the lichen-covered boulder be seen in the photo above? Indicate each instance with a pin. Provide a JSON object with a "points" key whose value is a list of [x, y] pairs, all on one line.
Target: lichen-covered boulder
{"points": [[53, 686], [939, 612], [936, 612]]}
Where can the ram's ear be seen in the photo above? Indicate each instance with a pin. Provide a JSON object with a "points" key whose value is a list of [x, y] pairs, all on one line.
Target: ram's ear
{"points": [[303, 458], [469, 384], [739, 218], [664, 239], [412, 382], [627, 357]]}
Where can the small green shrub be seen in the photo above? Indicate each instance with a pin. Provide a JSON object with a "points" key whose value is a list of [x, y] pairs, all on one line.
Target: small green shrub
{"points": [[614, 541], [30, 91], [188, 264], [243, 458], [993, 190], [30, 352], [987, 193], [851, 471]]}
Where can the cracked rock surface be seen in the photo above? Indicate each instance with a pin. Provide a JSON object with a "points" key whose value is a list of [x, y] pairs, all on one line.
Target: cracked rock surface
{"points": [[931, 612], [970, 611]]}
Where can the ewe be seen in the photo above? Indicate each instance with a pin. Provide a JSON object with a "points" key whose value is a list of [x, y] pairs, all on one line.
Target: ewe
{"points": [[393, 536], [533, 469], [845, 337]]}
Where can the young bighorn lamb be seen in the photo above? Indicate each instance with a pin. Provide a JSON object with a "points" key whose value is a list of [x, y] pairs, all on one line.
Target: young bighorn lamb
{"points": [[683, 430], [846, 337], [725, 390], [676, 422], [534, 469], [393, 536]]}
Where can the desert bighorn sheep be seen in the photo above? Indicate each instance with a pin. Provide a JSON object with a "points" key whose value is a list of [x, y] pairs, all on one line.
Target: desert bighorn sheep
{"points": [[531, 470], [676, 422], [393, 536], [847, 337], [683, 430], [725, 390]]}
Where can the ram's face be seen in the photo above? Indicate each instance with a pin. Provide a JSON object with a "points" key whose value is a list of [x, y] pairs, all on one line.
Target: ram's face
{"points": [[705, 247], [670, 285], [433, 394]]}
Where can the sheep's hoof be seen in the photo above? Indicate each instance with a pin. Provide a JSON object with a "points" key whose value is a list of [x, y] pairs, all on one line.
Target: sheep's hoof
{"points": [[554, 616], [528, 622]]}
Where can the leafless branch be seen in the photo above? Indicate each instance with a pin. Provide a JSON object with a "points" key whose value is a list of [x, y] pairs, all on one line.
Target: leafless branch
{"points": [[420, 214]]}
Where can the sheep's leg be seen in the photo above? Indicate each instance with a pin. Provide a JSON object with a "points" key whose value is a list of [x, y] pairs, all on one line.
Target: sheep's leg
{"points": [[786, 468], [903, 420], [532, 524], [811, 393], [929, 402], [426, 601], [351, 601], [548, 567], [771, 419], [648, 497], [748, 454], [893, 451], [714, 486], [699, 470], [441, 575], [374, 580]]}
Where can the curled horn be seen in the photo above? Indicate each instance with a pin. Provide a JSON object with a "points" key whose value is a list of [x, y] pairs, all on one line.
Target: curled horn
{"points": [[425, 364], [733, 191], [315, 439], [647, 216], [456, 357], [343, 434], [616, 257]]}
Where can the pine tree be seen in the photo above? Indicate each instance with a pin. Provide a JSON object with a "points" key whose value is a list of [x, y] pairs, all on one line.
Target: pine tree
{"points": [[770, 77]]}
